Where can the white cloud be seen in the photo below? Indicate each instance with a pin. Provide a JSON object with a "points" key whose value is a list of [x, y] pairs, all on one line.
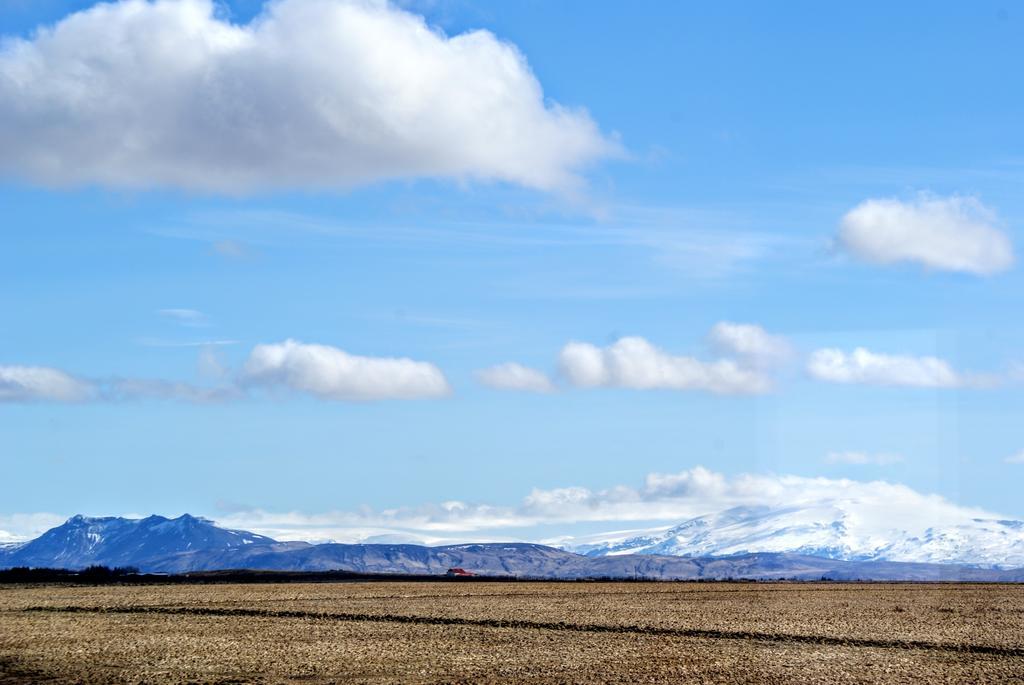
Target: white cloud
{"points": [[873, 510], [863, 366], [326, 372], [44, 384], [670, 498], [633, 362], [311, 94], [129, 389], [21, 527], [512, 376], [211, 365], [1016, 458], [697, 481], [750, 342], [951, 234], [863, 458], [330, 373]]}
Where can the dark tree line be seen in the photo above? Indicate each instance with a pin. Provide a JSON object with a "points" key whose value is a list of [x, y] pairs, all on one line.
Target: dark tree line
{"points": [[91, 574]]}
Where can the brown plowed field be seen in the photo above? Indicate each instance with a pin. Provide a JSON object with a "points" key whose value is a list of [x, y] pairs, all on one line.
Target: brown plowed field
{"points": [[516, 632]]}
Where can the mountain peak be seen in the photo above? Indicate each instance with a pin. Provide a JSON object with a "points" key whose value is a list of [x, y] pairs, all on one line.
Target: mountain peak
{"points": [[835, 529], [114, 541], [80, 519], [193, 520], [830, 538], [184, 520]]}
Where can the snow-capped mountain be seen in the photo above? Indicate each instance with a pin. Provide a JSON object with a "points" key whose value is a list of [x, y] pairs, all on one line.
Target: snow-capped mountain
{"points": [[847, 530], [112, 541], [799, 542]]}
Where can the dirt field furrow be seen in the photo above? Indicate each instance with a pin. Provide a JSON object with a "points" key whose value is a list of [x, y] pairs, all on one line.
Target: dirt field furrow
{"points": [[538, 633], [541, 625]]}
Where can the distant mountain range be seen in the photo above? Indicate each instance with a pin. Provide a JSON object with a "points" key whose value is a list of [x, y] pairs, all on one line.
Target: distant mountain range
{"points": [[188, 543], [835, 529], [113, 541]]}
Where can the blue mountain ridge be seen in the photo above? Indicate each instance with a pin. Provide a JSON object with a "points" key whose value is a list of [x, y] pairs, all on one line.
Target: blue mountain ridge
{"points": [[112, 541], [188, 543]]}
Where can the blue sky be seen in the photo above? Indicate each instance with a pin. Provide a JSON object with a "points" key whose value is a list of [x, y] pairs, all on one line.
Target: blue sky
{"points": [[831, 178]]}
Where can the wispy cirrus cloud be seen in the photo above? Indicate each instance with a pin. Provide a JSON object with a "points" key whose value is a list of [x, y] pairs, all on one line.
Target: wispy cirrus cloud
{"points": [[185, 317], [1017, 458], [42, 384], [131, 389], [30, 384], [161, 342], [856, 458], [713, 247], [512, 376]]}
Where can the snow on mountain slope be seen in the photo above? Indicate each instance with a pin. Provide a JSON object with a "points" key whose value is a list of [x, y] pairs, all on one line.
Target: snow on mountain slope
{"points": [[114, 541], [854, 530], [835, 529]]}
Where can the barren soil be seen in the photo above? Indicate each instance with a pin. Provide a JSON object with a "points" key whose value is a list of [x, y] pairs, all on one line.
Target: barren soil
{"points": [[516, 632]]}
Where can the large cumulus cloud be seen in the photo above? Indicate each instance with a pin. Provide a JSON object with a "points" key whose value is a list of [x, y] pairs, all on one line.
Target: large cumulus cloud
{"points": [[312, 93]]}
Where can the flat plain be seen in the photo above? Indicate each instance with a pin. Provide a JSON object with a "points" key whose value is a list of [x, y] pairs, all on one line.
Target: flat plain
{"points": [[449, 632]]}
